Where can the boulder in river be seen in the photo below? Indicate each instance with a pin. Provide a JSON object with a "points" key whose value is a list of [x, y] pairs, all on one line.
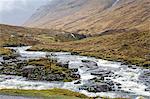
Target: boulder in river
{"points": [[102, 73], [27, 70], [64, 64], [78, 82], [89, 63], [97, 87], [145, 77]]}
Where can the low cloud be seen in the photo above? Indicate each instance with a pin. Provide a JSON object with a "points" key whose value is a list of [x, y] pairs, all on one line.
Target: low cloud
{"points": [[16, 12]]}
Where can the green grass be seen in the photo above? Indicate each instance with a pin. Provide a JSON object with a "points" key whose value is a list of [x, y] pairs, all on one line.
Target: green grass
{"points": [[46, 94], [49, 94]]}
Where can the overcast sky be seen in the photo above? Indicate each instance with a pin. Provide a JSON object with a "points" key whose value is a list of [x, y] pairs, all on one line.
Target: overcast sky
{"points": [[16, 12]]}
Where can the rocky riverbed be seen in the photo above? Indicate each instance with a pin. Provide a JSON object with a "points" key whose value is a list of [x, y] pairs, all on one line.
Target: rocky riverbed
{"points": [[96, 77]]}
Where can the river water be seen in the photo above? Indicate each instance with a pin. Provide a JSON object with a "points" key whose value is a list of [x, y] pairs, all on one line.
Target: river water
{"points": [[130, 86]]}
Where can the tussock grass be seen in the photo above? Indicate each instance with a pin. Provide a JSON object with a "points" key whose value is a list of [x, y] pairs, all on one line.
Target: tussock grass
{"points": [[5, 51]]}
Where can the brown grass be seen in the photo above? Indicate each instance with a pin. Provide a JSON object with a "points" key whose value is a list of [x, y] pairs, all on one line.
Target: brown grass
{"points": [[131, 47]]}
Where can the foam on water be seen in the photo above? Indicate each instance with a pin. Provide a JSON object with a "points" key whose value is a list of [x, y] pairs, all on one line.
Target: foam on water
{"points": [[128, 77]]}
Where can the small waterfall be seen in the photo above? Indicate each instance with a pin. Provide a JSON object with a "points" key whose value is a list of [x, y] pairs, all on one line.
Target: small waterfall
{"points": [[115, 3]]}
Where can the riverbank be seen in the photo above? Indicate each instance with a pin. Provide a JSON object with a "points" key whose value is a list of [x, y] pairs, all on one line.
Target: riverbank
{"points": [[129, 48], [5, 51], [97, 77], [45, 94]]}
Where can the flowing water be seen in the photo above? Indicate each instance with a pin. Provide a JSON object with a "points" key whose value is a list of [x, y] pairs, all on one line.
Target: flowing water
{"points": [[128, 77]]}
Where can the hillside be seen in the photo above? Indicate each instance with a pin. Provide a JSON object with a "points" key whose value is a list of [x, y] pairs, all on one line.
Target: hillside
{"points": [[132, 47], [18, 36], [15, 35], [92, 16]]}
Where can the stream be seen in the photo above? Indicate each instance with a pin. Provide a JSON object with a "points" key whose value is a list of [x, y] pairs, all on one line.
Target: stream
{"points": [[128, 81]]}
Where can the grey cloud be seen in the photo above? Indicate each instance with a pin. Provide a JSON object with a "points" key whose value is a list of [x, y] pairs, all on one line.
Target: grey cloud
{"points": [[16, 12]]}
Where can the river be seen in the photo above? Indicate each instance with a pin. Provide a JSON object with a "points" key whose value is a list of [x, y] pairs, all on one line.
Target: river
{"points": [[127, 79]]}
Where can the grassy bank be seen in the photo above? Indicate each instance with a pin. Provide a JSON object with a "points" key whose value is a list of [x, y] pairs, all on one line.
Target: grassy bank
{"points": [[132, 48], [49, 94], [45, 94], [5, 51]]}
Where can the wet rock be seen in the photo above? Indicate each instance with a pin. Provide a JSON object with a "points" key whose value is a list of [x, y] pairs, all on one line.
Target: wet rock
{"points": [[97, 79], [1, 67], [146, 65], [74, 69], [145, 77], [75, 75], [124, 63], [78, 82], [64, 64], [100, 87], [89, 64], [28, 70], [103, 73], [1, 64], [148, 89], [9, 57], [12, 64], [6, 57]]}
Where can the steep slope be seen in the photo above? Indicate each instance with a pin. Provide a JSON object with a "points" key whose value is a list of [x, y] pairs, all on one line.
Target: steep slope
{"points": [[92, 16]]}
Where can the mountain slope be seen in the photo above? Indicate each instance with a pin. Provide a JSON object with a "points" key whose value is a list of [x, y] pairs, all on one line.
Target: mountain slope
{"points": [[92, 16], [131, 47]]}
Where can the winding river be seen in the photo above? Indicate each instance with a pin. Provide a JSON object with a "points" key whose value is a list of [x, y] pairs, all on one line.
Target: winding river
{"points": [[128, 77]]}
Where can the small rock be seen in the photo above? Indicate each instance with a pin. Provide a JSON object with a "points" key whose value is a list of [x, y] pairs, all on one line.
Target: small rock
{"points": [[78, 82]]}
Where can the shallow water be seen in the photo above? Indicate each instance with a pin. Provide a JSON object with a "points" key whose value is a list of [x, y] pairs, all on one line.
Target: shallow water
{"points": [[131, 86], [15, 97]]}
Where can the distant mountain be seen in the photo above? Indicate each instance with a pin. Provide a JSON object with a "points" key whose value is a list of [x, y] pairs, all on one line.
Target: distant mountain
{"points": [[92, 16]]}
